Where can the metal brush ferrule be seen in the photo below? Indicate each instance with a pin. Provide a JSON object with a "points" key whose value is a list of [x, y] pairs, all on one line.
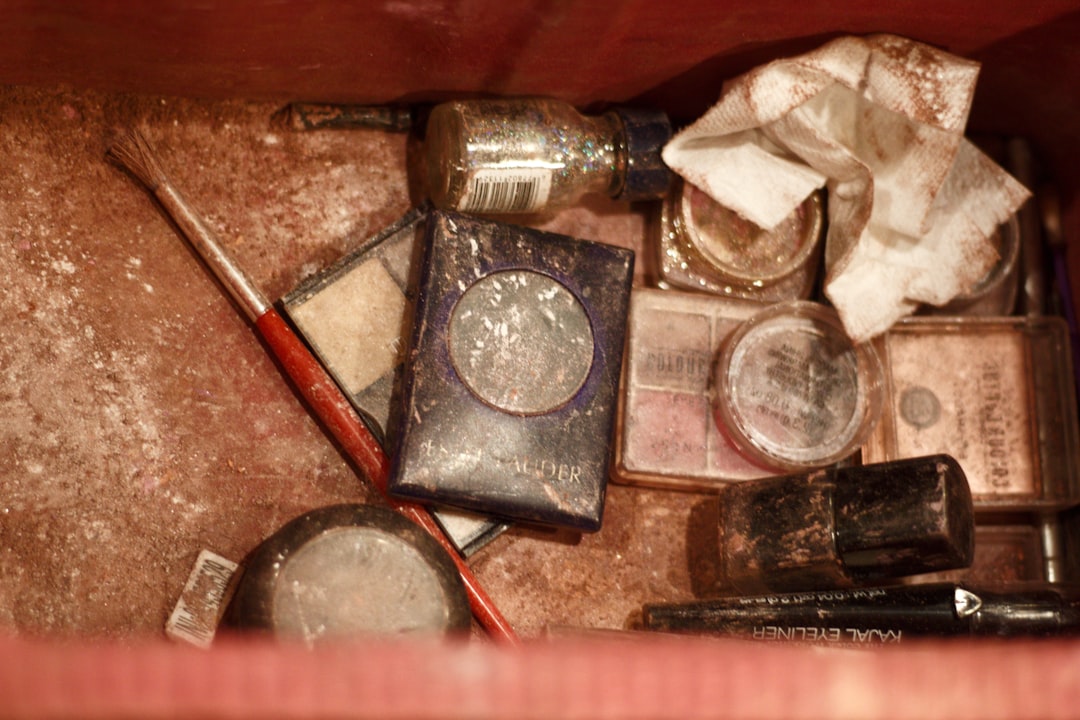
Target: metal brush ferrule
{"points": [[236, 282]]}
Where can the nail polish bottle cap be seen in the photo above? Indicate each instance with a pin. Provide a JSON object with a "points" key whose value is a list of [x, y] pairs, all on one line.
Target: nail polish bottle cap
{"points": [[345, 571], [840, 527], [904, 517], [646, 132]]}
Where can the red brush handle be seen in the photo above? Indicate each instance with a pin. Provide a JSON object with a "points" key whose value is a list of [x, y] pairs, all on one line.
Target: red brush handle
{"points": [[335, 411]]}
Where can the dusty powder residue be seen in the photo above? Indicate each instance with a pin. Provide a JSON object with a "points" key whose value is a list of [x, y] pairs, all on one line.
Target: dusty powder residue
{"points": [[140, 418], [547, 579]]}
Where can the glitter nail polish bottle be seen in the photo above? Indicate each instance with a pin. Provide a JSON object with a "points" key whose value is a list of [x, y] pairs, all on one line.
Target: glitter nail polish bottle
{"points": [[531, 154]]}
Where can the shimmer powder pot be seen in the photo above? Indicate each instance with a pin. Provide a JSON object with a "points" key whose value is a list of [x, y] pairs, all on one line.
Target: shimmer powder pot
{"points": [[995, 293], [792, 391], [706, 246], [742, 251], [508, 403], [346, 571]]}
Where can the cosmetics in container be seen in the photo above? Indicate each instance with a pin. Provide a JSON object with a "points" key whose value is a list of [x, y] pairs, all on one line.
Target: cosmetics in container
{"points": [[994, 294], [522, 155], [791, 390], [345, 571], [845, 526], [997, 394], [508, 401], [355, 315], [705, 246], [667, 436], [881, 615]]}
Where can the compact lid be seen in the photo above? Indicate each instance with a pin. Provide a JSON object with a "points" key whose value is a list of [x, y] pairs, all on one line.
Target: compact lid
{"points": [[349, 570], [646, 132], [740, 251], [903, 517], [792, 391]]}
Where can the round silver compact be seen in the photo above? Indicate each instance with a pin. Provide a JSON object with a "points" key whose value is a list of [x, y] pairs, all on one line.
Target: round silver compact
{"points": [[521, 342], [349, 570], [791, 390]]}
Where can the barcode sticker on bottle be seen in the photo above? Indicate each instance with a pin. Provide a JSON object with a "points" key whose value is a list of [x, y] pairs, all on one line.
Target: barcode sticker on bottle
{"points": [[194, 619], [507, 190]]}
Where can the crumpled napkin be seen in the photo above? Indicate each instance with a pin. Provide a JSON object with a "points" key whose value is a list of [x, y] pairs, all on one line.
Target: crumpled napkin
{"points": [[879, 120]]}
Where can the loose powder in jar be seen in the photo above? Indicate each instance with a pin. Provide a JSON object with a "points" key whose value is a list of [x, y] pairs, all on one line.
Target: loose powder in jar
{"points": [[792, 391]]}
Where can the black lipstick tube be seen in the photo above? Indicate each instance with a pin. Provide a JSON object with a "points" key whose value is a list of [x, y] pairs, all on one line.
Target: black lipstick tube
{"points": [[878, 615]]}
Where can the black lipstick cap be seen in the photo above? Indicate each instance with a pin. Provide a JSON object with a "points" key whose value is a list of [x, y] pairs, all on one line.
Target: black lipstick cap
{"points": [[841, 527]]}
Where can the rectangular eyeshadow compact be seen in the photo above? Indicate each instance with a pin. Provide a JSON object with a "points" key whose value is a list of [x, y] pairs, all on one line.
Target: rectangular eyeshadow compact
{"points": [[355, 315], [508, 403]]}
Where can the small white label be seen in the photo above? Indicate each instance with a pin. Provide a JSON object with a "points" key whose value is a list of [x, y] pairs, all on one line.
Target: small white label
{"points": [[194, 619], [507, 190]]}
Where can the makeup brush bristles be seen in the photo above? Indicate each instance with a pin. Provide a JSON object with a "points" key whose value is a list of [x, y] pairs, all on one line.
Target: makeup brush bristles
{"points": [[131, 150]]}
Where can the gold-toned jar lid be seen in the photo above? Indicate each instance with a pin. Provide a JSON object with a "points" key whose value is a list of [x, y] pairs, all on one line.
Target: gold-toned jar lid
{"points": [[741, 251]]}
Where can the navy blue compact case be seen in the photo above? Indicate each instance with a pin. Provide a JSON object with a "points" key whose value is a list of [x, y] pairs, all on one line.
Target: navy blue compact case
{"points": [[512, 377]]}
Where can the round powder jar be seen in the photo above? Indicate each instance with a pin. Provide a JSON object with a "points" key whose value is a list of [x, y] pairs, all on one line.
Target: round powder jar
{"points": [[744, 254], [995, 293], [348, 571], [791, 391]]}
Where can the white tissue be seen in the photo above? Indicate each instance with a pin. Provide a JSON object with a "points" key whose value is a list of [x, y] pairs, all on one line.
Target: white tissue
{"points": [[879, 121]]}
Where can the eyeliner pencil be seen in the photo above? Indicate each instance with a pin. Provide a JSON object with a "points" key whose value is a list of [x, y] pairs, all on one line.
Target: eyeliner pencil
{"points": [[134, 152], [878, 615]]}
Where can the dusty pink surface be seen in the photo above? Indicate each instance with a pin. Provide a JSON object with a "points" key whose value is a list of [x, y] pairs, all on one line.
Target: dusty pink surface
{"points": [[143, 420]]}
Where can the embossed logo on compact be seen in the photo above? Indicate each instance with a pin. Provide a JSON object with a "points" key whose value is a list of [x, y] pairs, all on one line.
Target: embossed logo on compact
{"points": [[521, 342], [920, 407]]}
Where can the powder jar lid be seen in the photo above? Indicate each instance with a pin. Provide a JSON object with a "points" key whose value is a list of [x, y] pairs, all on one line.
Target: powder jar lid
{"points": [[346, 571], [742, 252], [792, 391]]}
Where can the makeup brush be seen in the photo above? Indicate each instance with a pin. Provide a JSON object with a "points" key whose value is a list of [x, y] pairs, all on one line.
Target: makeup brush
{"points": [[133, 152]]}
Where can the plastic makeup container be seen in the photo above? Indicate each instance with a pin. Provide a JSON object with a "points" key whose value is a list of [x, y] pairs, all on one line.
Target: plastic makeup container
{"points": [[509, 399], [355, 314], [666, 435], [346, 571], [996, 393], [791, 391], [708, 247], [995, 294]]}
